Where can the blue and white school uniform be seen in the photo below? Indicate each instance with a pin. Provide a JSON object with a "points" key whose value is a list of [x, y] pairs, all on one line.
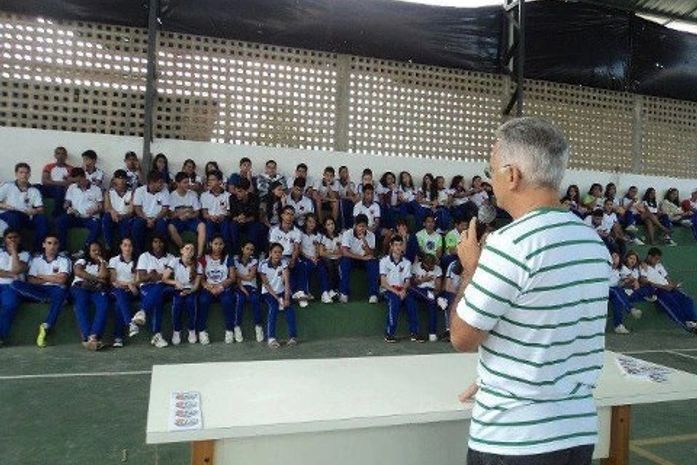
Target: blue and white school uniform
{"points": [[182, 274], [309, 247], [154, 293], [288, 240], [398, 273], [355, 245], [274, 276], [454, 278], [679, 306], [82, 201], [123, 297], [123, 205], [152, 204], [187, 201], [372, 211], [619, 298], [346, 203], [215, 271], [83, 298], [252, 295], [331, 265], [54, 294], [22, 200], [9, 299], [302, 207], [425, 292], [216, 205]]}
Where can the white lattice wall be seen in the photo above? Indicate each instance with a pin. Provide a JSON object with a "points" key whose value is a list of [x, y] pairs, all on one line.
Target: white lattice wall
{"points": [[91, 78]]}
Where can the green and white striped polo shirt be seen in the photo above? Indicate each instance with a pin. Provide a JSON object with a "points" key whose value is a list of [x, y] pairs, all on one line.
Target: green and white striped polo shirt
{"points": [[541, 291]]}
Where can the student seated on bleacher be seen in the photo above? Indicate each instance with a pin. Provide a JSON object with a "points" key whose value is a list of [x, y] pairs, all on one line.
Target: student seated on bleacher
{"points": [[452, 282], [430, 242], [395, 279], [82, 209], [89, 163], [133, 170], [124, 290], [217, 284], [55, 179], [330, 254], [300, 173], [183, 274], [89, 288], [275, 292], [347, 195], [358, 249], [195, 179], [670, 206], [118, 210], [244, 217], [14, 263], [246, 267], [161, 164], [425, 286], [22, 206], [654, 219], [310, 263], [268, 177], [679, 306], [184, 210], [46, 282], [326, 195], [623, 294], [244, 172], [450, 241], [368, 208], [290, 237], [151, 205], [215, 206], [302, 204]]}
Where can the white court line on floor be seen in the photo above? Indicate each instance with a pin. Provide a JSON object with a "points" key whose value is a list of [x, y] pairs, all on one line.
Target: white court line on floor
{"points": [[657, 351], [691, 357], [75, 375]]}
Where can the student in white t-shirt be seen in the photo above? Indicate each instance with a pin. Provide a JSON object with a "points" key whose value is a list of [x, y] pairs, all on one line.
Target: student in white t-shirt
{"points": [[290, 237], [150, 268], [330, 254], [302, 205], [195, 179], [151, 205], [217, 284], [358, 248], [55, 179], [679, 306], [425, 287], [621, 295], [184, 210], [46, 282], [310, 263], [395, 279], [14, 263], [21, 205], [184, 275], [118, 209], [89, 288], [450, 286], [124, 290], [89, 163], [133, 170], [83, 207], [369, 208], [275, 293], [326, 195], [215, 206], [654, 219], [246, 266]]}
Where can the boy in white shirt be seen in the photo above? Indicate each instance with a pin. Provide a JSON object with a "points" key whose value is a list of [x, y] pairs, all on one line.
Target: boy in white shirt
{"points": [[83, 206], [302, 205], [395, 279], [358, 247], [347, 194], [55, 179], [46, 282], [89, 163], [215, 206], [368, 207], [151, 204], [150, 269], [289, 237], [22, 207], [275, 292], [118, 209], [679, 306], [425, 287], [13, 265], [133, 170], [326, 195], [184, 208]]}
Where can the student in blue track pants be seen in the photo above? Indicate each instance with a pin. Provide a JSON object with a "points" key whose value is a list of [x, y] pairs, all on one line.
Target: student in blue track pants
{"points": [[150, 268], [245, 266], [679, 306], [310, 263], [118, 209], [395, 277], [625, 290], [275, 293], [217, 284], [184, 276], [425, 286], [46, 282], [124, 290], [358, 248], [90, 288], [445, 300], [14, 263], [84, 203]]}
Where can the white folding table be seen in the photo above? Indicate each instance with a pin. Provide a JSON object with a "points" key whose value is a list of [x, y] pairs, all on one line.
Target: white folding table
{"points": [[367, 410]]}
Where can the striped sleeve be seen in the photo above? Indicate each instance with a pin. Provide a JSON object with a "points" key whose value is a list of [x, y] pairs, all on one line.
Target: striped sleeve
{"points": [[496, 283]]}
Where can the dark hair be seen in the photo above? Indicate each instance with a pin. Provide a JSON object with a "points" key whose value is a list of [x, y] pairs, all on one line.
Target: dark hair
{"points": [[654, 252], [274, 185], [299, 182], [88, 246], [245, 160], [243, 184], [288, 207], [647, 194], [180, 177], [215, 165], [608, 200], [401, 222], [307, 217], [401, 178], [360, 219], [628, 254], [383, 178], [160, 238], [160, 156], [324, 227], [593, 186], [130, 154], [270, 161], [22, 164], [396, 238], [630, 188], [669, 192], [301, 166], [273, 245], [9, 231], [343, 167], [459, 219], [456, 180], [608, 186], [367, 171], [429, 215], [187, 161], [597, 213], [218, 175], [214, 237], [77, 172], [567, 197], [329, 169], [432, 192], [154, 176], [368, 187], [91, 154], [53, 235], [474, 178], [120, 174]]}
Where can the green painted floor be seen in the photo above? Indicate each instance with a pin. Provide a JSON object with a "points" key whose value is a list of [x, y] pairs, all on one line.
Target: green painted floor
{"points": [[58, 406]]}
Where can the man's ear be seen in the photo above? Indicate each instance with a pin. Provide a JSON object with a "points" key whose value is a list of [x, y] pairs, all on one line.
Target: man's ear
{"points": [[514, 177]]}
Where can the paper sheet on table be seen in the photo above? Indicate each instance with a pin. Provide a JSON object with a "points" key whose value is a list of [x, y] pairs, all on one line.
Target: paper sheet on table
{"points": [[639, 369], [185, 411]]}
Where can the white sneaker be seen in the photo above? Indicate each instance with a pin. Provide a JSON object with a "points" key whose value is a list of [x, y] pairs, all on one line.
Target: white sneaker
{"points": [[118, 343], [333, 293], [133, 329], [373, 299], [442, 302], [343, 298], [631, 228], [636, 313], [274, 344], [229, 337], [292, 342], [238, 334], [300, 295], [203, 338], [302, 303], [259, 333], [192, 337], [651, 298], [139, 318], [432, 338], [637, 241], [159, 341], [692, 325], [686, 223], [326, 298], [620, 329], [670, 242], [176, 338]]}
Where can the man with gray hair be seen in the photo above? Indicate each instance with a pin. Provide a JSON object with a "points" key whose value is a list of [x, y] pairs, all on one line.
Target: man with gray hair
{"points": [[533, 303]]}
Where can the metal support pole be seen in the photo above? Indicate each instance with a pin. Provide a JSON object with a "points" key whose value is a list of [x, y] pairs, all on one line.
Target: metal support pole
{"points": [[514, 56], [151, 84]]}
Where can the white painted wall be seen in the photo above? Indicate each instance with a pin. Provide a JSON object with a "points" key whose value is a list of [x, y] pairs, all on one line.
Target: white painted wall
{"points": [[35, 146]]}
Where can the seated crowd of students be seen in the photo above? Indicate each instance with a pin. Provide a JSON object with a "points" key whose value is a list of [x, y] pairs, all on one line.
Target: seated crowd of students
{"points": [[267, 240]]}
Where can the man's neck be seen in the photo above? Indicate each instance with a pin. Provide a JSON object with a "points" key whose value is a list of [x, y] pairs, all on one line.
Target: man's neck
{"points": [[533, 199]]}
